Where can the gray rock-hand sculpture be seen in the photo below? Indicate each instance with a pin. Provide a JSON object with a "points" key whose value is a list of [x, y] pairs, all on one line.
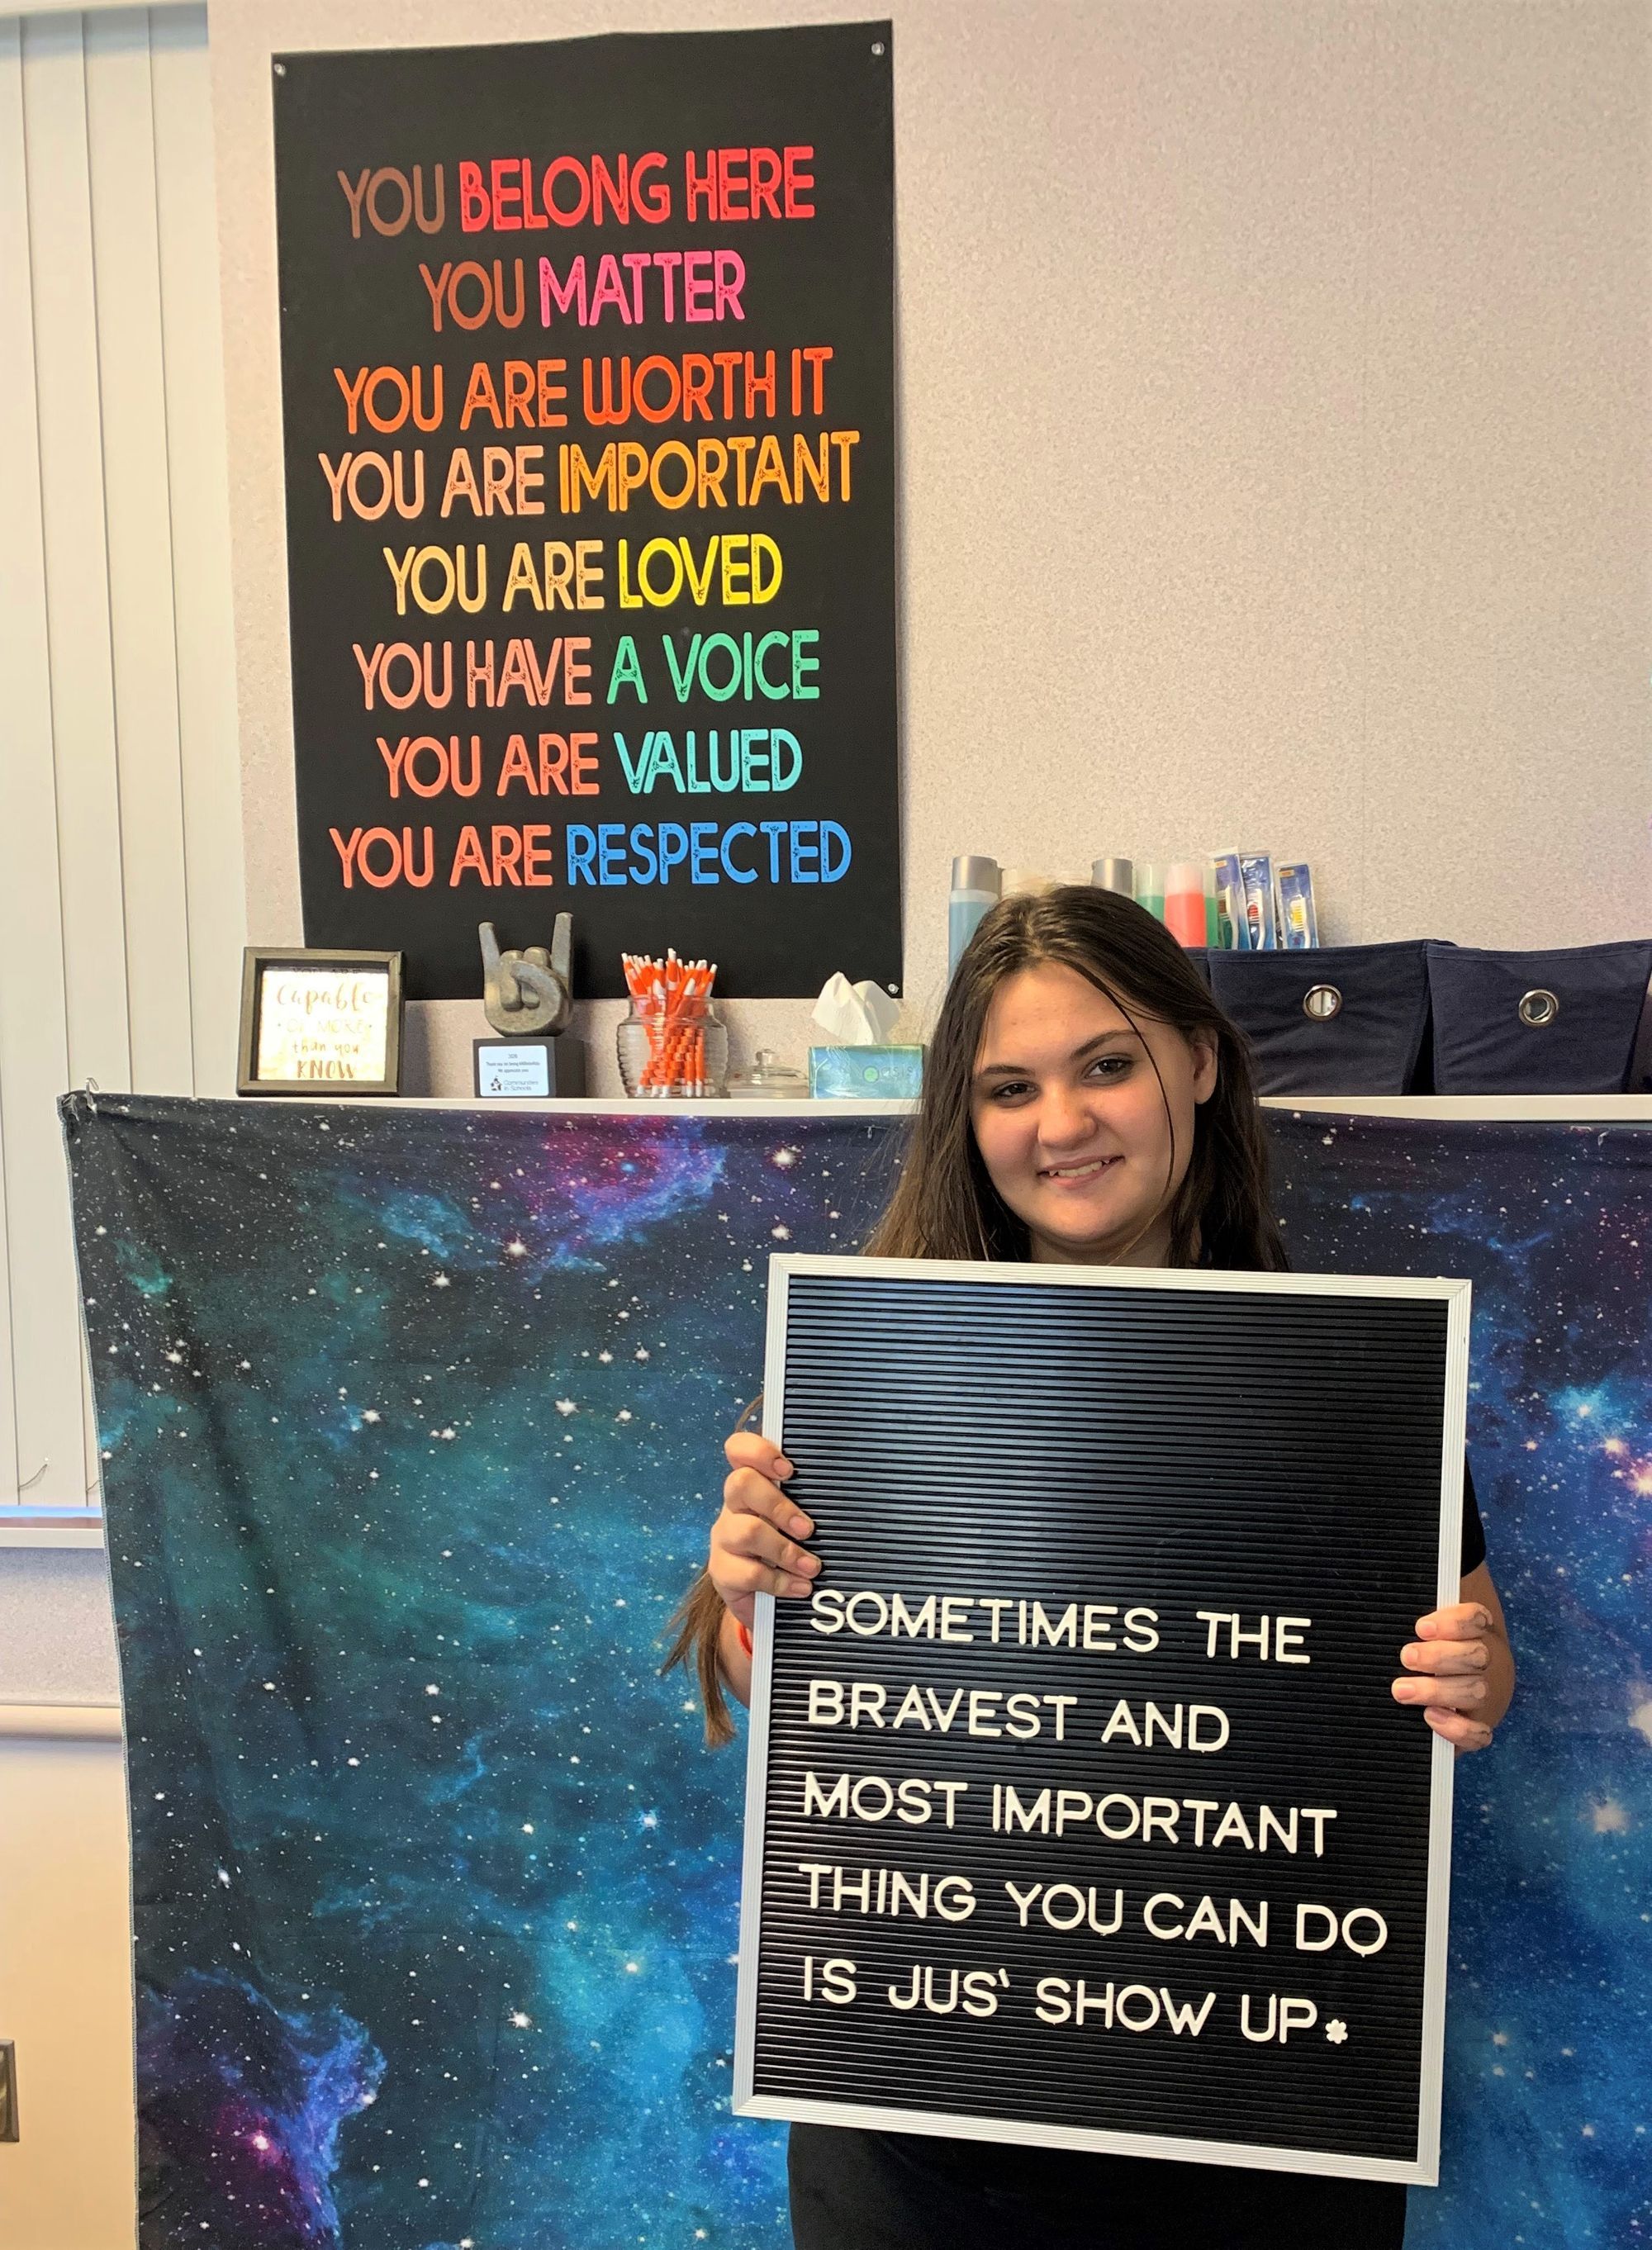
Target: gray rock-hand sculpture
{"points": [[527, 994]]}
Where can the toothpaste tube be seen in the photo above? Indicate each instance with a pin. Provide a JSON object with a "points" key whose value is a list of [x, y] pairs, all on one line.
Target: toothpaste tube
{"points": [[1228, 893], [1294, 887], [1256, 885]]}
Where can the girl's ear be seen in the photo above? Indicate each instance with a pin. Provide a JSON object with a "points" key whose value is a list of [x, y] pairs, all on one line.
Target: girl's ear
{"points": [[1203, 1045]]}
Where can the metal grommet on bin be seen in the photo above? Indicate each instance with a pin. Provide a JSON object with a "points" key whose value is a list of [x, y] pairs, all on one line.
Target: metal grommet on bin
{"points": [[1538, 1007], [1321, 1002]]}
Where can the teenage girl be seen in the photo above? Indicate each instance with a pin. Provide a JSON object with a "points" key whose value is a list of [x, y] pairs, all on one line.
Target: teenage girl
{"points": [[1086, 1103]]}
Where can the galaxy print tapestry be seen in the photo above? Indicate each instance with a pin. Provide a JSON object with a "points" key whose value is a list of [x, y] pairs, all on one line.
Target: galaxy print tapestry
{"points": [[411, 1422]]}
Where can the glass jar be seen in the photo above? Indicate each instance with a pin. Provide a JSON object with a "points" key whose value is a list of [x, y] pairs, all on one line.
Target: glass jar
{"points": [[674, 1053], [769, 1079]]}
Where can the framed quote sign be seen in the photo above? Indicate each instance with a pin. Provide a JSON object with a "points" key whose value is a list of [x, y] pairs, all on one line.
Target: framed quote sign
{"points": [[317, 1021], [1079, 1812]]}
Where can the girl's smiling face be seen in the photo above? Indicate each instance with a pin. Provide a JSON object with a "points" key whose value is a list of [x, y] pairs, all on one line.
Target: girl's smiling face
{"points": [[1084, 1120]]}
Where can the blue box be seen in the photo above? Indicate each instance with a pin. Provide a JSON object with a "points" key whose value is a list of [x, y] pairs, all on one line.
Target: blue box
{"points": [[1340, 1019], [865, 1073], [1565, 1021]]}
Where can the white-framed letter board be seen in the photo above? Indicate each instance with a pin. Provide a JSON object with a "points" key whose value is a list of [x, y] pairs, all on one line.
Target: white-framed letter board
{"points": [[1079, 1810]]}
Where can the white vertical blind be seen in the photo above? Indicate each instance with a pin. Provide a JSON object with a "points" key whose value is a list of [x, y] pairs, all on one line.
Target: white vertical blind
{"points": [[122, 907], [197, 478]]}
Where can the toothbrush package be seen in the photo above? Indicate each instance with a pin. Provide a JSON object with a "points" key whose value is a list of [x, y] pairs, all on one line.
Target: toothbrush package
{"points": [[1257, 896], [1293, 896], [1228, 891]]}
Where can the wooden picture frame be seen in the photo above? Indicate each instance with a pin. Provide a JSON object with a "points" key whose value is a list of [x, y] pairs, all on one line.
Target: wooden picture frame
{"points": [[328, 1038]]}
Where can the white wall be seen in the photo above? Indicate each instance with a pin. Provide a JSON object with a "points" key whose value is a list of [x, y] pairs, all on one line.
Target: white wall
{"points": [[1302, 345], [69, 2182]]}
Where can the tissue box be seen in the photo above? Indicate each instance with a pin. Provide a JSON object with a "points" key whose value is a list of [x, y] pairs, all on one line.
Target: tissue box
{"points": [[865, 1073]]}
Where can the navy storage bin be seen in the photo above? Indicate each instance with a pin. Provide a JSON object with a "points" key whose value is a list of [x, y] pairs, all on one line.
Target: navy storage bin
{"points": [[1334, 1019], [1561, 1022]]}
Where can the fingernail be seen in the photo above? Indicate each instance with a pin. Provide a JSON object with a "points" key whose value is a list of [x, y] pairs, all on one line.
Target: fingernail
{"points": [[810, 1563], [784, 1469], [797, 1586]]}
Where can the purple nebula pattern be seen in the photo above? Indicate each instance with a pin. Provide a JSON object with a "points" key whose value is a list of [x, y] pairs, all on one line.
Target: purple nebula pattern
{"points": [[243, 2105]]}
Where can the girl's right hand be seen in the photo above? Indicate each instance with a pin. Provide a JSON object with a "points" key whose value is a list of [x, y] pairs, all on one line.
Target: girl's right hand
{"points": [[753, 1541]]}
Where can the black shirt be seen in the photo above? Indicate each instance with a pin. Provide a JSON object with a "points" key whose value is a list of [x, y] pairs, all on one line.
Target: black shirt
{"points": [[1473, 1536]]}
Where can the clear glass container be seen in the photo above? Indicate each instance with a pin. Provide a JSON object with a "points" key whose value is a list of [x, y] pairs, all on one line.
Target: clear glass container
{"points": [[677, 1054], [769, 1079]]}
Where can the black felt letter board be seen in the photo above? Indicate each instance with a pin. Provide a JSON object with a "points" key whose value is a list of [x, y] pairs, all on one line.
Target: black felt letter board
{"points": [[1079, 1809]]}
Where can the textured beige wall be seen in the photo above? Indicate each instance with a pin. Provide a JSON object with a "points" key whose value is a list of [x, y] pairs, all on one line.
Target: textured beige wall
{"points": [[1276, 408], [56, 1633]]}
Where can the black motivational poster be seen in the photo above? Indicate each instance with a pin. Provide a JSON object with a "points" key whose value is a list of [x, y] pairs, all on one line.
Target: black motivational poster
{"points": [[587, 368], [1079, 1810]]}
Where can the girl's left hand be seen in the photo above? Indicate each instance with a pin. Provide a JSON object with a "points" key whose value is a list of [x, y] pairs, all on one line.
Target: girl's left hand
{"points": [[1446, 1669]]}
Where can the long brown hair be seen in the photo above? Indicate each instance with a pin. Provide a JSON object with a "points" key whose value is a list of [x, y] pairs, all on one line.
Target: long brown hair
{"points": [[944, 1204]]}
